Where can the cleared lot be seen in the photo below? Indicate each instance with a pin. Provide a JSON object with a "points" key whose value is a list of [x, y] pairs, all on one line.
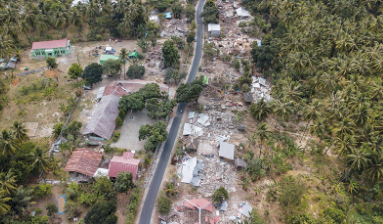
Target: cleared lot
{"points": [[129, 130]]}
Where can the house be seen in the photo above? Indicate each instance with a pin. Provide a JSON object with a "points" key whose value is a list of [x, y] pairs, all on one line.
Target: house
{"points": [[191, 144], [226, 151], [199, 211], [124, 163], [102, 123], [105, 57], [240, 163], [214, 30], [242, 13], [248, 97], [84, 161], [51, 48]]}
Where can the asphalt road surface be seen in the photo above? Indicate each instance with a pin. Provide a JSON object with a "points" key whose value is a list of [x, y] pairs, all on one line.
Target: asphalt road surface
{"points": [[146, 213]]}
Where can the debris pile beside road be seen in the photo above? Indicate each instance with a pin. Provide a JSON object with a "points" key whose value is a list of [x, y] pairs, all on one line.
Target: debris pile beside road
{"points": [[260, 89]]}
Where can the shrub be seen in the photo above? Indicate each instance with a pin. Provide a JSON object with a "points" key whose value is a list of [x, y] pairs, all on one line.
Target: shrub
{"points": [[118, 122], [131, 209], [42, 190], [219, 195], [190, 37], [140, 56], [136, 71], [245, 87], [101, 213], [335, 214], [236, 63], [124, 182], [121, 113], [242, 24], [51, 208], [116, 136], [164, 204], [57, 129], [75, 71]]}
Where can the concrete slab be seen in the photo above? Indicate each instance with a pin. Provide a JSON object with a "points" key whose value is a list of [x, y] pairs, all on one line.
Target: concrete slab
{"points": [[129, 130]]}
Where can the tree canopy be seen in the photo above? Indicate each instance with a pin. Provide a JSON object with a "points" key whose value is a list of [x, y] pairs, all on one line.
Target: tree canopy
{"points": [[75, 71], [124, 182], [187, 92], [92, 73], [170, 54], [101, 213]]}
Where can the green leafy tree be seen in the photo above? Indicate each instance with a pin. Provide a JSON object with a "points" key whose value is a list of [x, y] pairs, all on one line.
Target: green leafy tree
{"points": [[111, 67], [155, 133], [51, 63], [104, 187], [170, 54], [75, 71], [57, 129], [190, 37], [177, 10], [164, 204], [101, 213], [42, 190], [210, 13], [118, 122], [92, 73], [186, 92], [220, 194], [124, 182], [51, 209], [159, 108], [190, 12], [135, 101], [136, 71]]}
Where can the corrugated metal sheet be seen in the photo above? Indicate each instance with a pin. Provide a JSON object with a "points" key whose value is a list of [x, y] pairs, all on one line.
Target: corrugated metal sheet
{"points": [[120, 164], [226, 150], [85, 161], [100, 92], [102, 122], [49, 44]]}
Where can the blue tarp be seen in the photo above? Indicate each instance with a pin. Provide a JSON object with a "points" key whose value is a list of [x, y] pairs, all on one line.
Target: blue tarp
{"points": [[62, 196], [168, 15]]}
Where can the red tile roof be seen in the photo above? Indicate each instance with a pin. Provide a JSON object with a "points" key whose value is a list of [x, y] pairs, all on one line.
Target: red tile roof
{"points": [[84, 161], [49, 44], [124, 163], [199, 203]]}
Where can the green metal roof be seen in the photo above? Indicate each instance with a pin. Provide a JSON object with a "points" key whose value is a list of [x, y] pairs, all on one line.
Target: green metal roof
{"points": [[132, 54], [105, 57], [205, 80]]}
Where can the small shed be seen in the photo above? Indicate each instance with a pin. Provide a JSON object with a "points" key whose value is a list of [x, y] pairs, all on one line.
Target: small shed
{"points": [[105, 57], [214, 30], [226, 150], [168, 15], [240, 163], [191, 143], [248, 97]]}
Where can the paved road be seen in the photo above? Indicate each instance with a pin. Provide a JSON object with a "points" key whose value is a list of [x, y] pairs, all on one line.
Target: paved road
{"points": [[151, 197]]}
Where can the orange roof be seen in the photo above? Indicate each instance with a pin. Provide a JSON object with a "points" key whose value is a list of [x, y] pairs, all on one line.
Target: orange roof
{"points": [[85, 161], [49, 44], [199, 203]]}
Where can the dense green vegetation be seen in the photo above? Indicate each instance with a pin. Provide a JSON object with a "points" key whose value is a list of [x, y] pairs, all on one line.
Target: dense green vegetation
{"points": [[324, 60]]}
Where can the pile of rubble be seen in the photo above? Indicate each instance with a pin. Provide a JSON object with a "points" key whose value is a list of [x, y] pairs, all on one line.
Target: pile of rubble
{"points": [[209, 173], [231, 46], [260, 89], [175, 27], [171, 218]]}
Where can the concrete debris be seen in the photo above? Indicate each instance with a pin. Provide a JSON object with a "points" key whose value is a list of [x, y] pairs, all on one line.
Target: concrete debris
{"points": [[191, 169], [260, 89], [175, 27], [193, 130]]}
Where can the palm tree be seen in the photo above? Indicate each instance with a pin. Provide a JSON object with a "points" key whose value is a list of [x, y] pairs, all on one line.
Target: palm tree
{"points": [[357, 160], [123, 58], [4, 207], [344, 145], [283, 109], [7, 182], [19, 131], [311, 113], [260, 110], [375, 168], [21, 200], [6, 44], [8, 144], [40, 160], [263, 134], [344, 127]]}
